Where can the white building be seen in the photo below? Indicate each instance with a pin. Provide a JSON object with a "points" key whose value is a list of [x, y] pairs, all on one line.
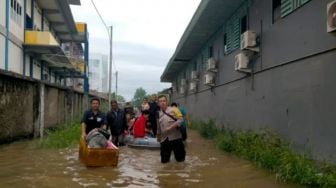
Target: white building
{"points": [[31, 36], [98, 72]]}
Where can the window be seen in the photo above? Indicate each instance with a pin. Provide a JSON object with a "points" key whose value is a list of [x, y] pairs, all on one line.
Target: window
{"points": [[234, 26], [18, 9], [243, 24], [225, 44], [16, 12], [288, 6], [276, 6], [211, 52]]}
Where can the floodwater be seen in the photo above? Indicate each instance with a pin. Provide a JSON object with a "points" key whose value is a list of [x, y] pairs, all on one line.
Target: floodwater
{"points": [[22, 165]]}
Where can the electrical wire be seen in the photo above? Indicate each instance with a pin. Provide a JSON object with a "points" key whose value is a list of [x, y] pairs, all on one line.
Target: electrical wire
{"points": [[106, 27], [101, 18]]}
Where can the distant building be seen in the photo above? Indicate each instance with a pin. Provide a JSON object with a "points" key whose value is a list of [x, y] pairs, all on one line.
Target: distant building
{"points": [[251, 64], [98, 72], [40, 39]]}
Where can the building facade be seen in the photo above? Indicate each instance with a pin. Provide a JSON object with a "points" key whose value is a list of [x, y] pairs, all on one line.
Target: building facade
{"points": [[33, 37], [251, 64], [98, 72]]}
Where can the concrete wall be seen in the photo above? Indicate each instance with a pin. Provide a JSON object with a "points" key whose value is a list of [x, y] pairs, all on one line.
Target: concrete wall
{"points": [[292, 91], [20, 104]]}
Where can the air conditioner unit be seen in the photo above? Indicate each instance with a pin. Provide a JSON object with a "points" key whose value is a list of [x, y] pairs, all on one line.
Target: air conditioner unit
{"points": [[331, 16], [194, 75], [209, 79], [183, 82], [192, 86], [211, 65], [248, 41], [242, 62], [182, 90]]}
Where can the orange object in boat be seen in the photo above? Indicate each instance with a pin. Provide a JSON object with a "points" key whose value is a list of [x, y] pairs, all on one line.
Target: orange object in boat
{"points": [[97, 157]]}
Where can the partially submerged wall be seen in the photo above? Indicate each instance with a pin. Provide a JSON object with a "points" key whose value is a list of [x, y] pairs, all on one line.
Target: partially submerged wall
{"points": [[20, 106]]}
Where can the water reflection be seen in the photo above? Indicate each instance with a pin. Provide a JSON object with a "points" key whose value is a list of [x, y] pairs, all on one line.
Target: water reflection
{"points": [[22, 165]]}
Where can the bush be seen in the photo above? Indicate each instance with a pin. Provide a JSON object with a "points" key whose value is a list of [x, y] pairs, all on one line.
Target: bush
{"points": [[266, 149], [65, 136]]}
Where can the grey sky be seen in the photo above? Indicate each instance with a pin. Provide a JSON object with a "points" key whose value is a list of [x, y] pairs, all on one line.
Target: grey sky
{"points": [[145, 34]]}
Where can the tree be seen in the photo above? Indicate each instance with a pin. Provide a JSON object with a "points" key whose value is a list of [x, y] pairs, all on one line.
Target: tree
{"points": [[139, 95], [119, 98]]}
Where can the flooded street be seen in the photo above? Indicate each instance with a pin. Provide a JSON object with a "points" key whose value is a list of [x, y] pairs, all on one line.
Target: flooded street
{"points": [[21, 165]]}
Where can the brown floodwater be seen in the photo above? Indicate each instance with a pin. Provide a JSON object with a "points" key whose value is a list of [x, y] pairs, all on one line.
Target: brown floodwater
{"points": [[22, 165]]}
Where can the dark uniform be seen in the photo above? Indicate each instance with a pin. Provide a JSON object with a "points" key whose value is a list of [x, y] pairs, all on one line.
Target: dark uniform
{"points": [[117, 124], [92, 120]]}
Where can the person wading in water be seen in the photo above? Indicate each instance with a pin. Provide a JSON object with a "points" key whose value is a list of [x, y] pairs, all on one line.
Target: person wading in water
{"points": [[168, 133]]}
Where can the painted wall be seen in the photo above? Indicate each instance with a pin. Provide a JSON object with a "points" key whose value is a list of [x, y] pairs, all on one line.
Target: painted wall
{"points": [[28, 8], [37, 70], [3, 13], [27, 65], [37, 17], [16, 26], [15, 58], [295, 99]]}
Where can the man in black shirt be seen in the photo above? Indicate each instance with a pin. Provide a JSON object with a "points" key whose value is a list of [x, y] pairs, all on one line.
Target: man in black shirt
{"points": [[93, 118], [116, 122]]}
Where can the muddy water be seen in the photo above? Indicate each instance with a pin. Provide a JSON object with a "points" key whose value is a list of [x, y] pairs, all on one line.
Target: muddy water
{"points": [[21, 165]]}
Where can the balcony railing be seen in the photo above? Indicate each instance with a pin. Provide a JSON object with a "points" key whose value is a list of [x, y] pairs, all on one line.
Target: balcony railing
{"points": [[80, 27], [42, 38]]}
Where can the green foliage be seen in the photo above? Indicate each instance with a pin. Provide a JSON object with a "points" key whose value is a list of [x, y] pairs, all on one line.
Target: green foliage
{"points": [[139, 95], [65, 136], [266, 149], [119, 98]]}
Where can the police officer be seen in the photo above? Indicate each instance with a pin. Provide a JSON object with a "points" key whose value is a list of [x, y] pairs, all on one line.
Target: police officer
{"points": [[93, 118]]}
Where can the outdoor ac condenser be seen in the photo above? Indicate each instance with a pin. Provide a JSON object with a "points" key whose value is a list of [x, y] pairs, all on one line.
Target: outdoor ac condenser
{"points": [[242, 62], [331, 16], [192, 86], [183, 82], [248, 41], [209, 79], [211, 65], [194, 75], [182, 90]]}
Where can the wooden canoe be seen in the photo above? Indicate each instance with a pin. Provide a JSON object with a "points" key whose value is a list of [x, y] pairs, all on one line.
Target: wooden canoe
{"points": [[97, 157]]}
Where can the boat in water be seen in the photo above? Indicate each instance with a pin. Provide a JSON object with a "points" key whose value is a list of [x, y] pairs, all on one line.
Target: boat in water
{"points": [[142, 143], [98, 157]]}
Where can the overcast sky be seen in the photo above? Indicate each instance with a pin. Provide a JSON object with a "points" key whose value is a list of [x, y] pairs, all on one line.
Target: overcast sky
{"points": [[145, 35]]}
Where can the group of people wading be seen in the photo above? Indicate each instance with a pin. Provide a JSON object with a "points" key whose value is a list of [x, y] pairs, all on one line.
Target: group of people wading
{"points": [[155, 119]]}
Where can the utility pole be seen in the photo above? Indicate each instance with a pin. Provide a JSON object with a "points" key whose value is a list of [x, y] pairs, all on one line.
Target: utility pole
{"points": [[116, 92], [110, 68]]}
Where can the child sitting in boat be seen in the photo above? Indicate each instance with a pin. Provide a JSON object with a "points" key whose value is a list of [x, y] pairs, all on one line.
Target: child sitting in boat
{"points": [[140, 126]]}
